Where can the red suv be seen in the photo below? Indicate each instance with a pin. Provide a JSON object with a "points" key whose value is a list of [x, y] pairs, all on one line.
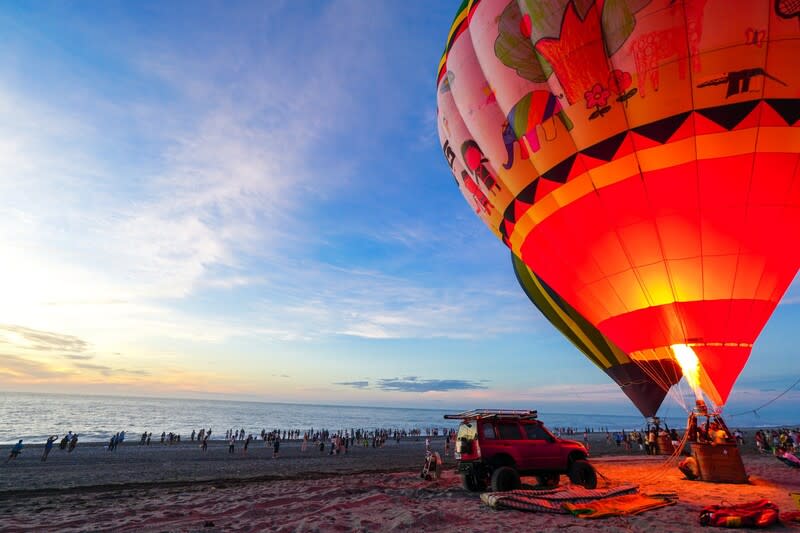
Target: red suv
{"points": [[495, 447]]}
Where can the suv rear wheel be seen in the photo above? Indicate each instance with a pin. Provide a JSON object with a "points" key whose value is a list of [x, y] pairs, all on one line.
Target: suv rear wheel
{"points": [[582, 473], [505, 478]]}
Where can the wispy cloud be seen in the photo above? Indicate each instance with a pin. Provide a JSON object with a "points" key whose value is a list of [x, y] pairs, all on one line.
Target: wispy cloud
{"points": [[46, 341], [15, 369], [415, 384], [354, 384], [77, 357], [37, 356], [109, 371]]}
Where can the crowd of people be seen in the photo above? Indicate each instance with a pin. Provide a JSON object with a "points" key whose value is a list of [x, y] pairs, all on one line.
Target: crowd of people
{"points": [[323, 440], [68, 443], [769, 440], [115, 440], [781, 442]]}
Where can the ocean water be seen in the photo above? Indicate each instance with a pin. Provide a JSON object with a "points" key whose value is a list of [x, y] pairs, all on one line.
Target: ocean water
{"points": [[33, 417]]}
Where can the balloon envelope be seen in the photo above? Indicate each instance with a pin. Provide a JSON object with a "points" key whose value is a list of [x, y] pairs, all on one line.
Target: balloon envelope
{"points": [[641, 157], [645, 393]]}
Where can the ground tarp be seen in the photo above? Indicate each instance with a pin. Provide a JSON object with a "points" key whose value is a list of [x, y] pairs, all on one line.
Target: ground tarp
{"points": [[627, 504]]}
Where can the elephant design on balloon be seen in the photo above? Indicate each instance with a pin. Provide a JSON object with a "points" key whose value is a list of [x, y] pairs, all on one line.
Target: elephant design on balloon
{"points": [[531, 111]]}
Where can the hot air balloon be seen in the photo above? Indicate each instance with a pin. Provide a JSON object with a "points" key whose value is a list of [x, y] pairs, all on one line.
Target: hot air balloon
{"points": [[642, 157], [645, 393]]}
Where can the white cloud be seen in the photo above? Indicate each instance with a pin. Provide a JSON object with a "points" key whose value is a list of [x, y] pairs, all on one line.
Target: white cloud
{"points": [[115, 211]]}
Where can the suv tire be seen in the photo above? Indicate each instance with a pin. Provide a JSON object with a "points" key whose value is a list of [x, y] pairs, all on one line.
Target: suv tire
{"points": [[582, 473], [505, 478]]}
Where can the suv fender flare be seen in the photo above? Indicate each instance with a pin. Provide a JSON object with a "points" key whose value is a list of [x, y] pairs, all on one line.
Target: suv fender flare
{"points": [[575, 456]]}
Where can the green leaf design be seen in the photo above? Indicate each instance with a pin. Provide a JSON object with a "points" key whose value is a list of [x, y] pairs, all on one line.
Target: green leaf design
{"points": [[516, 51], [618, 22]]}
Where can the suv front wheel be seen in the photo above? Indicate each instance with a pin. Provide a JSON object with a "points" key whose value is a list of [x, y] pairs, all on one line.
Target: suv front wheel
{"points": [[505, 478], [582, 473]]}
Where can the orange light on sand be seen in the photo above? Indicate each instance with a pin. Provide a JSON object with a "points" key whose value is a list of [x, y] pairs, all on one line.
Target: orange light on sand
{"points": [[690, 365]]}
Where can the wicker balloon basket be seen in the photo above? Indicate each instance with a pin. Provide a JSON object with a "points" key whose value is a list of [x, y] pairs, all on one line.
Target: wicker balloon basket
{"points": [[664, 444], [719, 463], [714, 448]]}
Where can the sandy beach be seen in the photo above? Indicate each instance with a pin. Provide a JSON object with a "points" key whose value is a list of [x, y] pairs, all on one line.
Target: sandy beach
{"points": [[180, 488]]}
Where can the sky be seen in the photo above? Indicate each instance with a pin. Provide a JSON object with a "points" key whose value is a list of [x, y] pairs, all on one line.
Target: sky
{"points": [[249, 201]]}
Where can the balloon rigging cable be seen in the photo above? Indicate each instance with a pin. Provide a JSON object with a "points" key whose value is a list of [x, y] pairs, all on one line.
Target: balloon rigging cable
{"points": [[755, 411]]}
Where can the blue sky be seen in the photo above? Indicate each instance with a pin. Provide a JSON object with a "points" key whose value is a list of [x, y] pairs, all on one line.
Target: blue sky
{"points": [[249, 200]]}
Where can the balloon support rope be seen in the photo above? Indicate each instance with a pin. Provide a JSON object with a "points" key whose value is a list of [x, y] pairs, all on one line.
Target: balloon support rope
{"points": [[655, 475], [755, 411]]}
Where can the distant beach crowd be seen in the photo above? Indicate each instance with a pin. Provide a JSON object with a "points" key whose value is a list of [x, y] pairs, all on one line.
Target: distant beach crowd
{"points": [[779, 440], [322, 440]]}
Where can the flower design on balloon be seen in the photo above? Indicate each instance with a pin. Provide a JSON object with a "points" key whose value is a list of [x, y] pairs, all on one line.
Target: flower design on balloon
{"points": [[619, 81], [597, 98]]}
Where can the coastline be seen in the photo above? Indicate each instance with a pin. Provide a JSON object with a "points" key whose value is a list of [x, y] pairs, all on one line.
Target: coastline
{"points": [[180, 488]]}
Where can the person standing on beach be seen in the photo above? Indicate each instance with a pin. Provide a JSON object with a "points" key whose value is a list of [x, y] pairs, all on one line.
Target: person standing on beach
{"points": [[48, 446], [231, 444], [73, 442], [204, 446], [651, 442], [275, 447], [15, 451], [247, 443]]}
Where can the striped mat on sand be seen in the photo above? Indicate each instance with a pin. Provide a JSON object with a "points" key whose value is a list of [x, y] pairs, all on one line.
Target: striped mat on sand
{"points": [[551, 500]]}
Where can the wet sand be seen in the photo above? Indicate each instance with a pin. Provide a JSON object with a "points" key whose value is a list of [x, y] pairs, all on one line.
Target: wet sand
{"points": [[180, 488]]}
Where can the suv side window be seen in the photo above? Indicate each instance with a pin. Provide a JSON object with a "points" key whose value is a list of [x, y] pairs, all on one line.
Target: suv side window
{"points": [[535, 432], [487, 431], [508, 431]]}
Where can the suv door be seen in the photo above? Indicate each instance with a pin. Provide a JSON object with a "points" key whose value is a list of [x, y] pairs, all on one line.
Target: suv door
{"points": [[509, 438], [539, 450]]}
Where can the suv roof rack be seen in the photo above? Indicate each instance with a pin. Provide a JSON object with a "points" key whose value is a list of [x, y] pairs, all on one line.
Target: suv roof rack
{"points": [[487, 413]]}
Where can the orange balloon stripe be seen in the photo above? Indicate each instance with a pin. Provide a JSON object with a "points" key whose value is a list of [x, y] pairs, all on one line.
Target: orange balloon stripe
{"points": [[665, 256]]}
